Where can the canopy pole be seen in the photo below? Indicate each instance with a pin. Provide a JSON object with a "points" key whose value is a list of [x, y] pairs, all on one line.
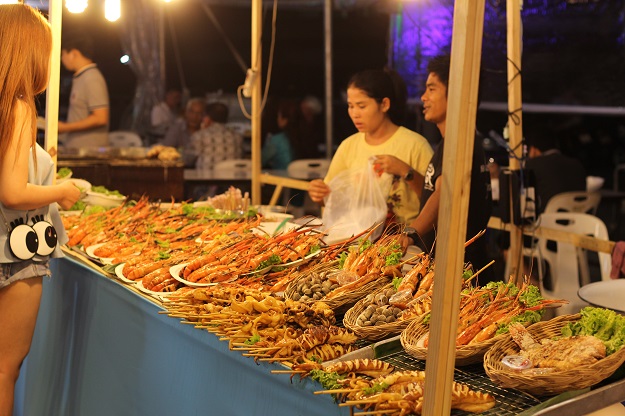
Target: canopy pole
{"points": [[454, 203], [515, 123], [257, 25], [55, 16], [327, 20]]}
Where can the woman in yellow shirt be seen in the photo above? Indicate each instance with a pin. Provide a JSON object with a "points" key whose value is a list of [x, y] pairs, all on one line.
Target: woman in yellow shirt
{"points": [[376, 102]]}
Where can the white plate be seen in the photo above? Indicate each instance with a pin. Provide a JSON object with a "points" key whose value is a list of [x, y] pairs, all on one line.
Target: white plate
{"points": [[298, 261], [605, 294], [119, 273], [175, 272], [107, 201], [159, 295], [90, 252], [85, 186], [271, 227], [70, 213]]}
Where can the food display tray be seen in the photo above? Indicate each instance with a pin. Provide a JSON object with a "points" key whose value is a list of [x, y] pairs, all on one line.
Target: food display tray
{"points": [[518, 403]]}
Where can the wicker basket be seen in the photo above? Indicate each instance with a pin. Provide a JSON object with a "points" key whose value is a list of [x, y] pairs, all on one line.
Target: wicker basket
{"points": [[465, 355], [553, 382], [341, 303], [377, 332]]}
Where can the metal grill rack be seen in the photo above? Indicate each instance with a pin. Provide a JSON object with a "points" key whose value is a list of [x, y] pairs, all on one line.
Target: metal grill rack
{"points": [[509, 402]]}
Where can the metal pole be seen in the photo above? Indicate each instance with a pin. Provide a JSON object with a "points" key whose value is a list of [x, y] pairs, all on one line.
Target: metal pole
{"points": [[328, 78], [52, 95], [161, 44], [257, 24]]}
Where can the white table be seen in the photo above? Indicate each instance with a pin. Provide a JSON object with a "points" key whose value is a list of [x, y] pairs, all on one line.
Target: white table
{"points": [[608, 294]]}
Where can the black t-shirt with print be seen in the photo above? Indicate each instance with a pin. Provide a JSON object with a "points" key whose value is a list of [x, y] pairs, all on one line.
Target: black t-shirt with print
{"points": [[480, 206]]}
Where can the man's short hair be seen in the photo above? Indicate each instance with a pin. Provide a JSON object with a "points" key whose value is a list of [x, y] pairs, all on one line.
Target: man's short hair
{"points": [[79, 40], [218, 112], [439, 65]]}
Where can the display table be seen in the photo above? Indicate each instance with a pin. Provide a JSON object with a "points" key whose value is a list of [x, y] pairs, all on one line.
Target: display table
{"points": [[139, 177], [102, 349]]}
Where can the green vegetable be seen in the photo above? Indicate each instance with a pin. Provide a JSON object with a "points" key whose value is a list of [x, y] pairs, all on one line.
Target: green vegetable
{"points": [[376, 388], [604, 324], [63, 172], [329, 381], [364, 245], [78, 206], [531, 296], [397, 281], [393, 258], [342, 258], [273, 259], [314, 249], [94, 209], [103, 190], [529, 317], [252, 340]]}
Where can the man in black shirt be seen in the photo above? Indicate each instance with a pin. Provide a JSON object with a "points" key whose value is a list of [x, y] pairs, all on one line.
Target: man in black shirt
{"points": [[435, 110]]}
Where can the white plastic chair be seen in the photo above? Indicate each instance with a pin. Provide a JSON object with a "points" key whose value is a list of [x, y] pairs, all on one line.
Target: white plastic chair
{"points": [[123, 138], [308, 168], [583, 202], [568, 265], [234, 165]]}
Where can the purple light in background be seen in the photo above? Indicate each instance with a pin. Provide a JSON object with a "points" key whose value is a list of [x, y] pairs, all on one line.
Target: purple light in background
{"points": [[421, 30]]}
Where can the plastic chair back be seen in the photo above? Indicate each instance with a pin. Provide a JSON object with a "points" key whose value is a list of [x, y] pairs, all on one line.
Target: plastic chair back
{"points": [[582, 202], [568, 265], [234, 165], [308, 168], [124, 139]]}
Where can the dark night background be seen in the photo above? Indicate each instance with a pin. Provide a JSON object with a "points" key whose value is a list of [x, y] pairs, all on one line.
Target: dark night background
{"points": [[574, 54]]}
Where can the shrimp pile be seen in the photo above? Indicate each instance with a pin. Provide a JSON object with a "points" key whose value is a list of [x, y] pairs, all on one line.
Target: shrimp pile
{"points": [[149, 241], [487, 311]]}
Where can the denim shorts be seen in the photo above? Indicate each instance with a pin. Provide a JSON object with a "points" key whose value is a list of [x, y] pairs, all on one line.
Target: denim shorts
{"points": [[12, 272]]}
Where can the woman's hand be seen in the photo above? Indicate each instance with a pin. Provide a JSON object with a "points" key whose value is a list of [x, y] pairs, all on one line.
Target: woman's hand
{"points": [[69, 194], [318, 190], [391, 165]]}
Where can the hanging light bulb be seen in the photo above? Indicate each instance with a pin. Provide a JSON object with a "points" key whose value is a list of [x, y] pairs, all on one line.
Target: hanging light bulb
{"points": [[76, 6], [112, 10]]}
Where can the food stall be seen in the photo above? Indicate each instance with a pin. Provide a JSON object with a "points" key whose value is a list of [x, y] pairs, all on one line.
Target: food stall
{"points": [[104, 345]]}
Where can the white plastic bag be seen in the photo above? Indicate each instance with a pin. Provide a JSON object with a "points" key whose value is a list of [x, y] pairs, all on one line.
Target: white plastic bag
{"points": [[356, 202]]}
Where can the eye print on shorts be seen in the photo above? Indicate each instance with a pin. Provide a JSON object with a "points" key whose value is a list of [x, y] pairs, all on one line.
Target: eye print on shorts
{"points": [[26, 241]]}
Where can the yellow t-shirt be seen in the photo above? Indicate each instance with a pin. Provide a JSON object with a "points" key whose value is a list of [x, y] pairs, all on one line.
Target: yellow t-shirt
{"points": [[408, 146]]}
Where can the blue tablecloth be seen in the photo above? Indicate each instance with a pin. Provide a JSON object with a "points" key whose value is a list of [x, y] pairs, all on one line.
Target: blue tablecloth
{"points": [[101, 349]]}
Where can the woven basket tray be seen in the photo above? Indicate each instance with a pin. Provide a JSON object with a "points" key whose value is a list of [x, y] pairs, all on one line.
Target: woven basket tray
{"points": [[377, 332], [550, 383], [340, 303], [465, 355]]}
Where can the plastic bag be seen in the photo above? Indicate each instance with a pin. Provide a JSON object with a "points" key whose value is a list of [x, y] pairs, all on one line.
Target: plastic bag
{"points": [[356, 202]]}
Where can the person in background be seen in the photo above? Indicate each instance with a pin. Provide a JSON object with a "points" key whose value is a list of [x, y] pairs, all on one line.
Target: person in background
{"points": [[26, 193], [313, 141], [280, 149], [165, 113], [215, 141], [376, 101], [553, 172], [179, 133], [422, 230], [88, 114]]}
